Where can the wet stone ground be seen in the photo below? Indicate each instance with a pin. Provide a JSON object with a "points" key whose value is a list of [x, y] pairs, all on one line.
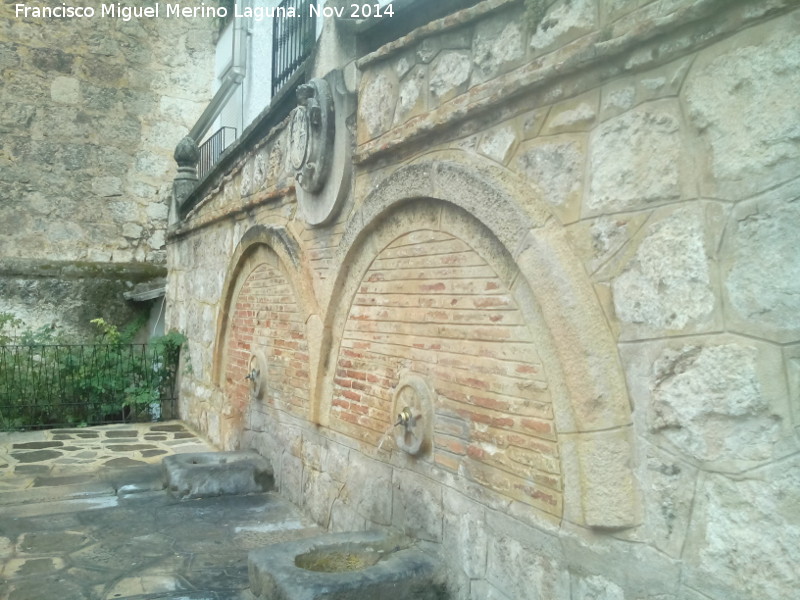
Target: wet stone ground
{"points": [[83, 515]]}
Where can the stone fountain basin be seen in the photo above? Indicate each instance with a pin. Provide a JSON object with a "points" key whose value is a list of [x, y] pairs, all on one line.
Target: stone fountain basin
{"points": [[204, 474], [369, 565]]}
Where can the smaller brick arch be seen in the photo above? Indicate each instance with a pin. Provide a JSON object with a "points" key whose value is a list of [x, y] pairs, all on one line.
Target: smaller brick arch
{"points": [[262, 324]]}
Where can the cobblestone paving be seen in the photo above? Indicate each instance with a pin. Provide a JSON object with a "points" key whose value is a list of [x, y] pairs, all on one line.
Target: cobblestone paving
{"points": [[83, 516]]}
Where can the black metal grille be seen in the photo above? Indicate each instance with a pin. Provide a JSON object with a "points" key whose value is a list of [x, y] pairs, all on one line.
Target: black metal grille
{"points": [[72, 385], [292, 41], [213, 148]]}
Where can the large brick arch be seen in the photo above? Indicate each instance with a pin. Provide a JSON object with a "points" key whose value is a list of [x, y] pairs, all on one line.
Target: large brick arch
{"points": [[572, 352], [432, 306], [262, 314]]}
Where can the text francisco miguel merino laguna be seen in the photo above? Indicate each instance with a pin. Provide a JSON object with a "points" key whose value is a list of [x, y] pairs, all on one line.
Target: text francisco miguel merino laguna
{"points": [[126, 13]]}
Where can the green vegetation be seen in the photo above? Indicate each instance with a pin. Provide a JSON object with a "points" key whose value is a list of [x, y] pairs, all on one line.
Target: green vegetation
{"points": [[45, 382]]}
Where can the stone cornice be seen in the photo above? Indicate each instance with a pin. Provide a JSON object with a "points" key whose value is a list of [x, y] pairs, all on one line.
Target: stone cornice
{"points": [[639, 41]]}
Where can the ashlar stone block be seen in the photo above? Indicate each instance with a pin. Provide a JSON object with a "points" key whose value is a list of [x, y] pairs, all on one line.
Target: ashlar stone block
{"points": [[519, 566], [708, 401], [761, 265], [464, 532], [411, 99], [498, 46], [449, 75], [668, 283], [378, 98], [599, 481], [718, 400], [745, 535], [637, 159], [564, 22], [417, 506], [741, 100], [555, 165]]}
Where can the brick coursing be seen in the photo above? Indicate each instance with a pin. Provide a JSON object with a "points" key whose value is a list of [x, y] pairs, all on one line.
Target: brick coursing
{"points": [[431, 305]]}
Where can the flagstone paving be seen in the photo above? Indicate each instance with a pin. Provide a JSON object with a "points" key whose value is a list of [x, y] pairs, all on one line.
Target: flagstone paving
{"points": [[84, 516]]}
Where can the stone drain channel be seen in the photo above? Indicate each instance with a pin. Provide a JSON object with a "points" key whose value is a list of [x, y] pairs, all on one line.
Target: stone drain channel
{"points": [[85, 514]]}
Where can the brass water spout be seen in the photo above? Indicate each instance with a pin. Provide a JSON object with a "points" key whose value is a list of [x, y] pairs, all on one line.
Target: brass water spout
{"points": [[405, 418]]}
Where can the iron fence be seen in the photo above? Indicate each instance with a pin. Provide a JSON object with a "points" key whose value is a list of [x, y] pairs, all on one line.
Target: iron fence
{"points": [[292, 41], [75, 385], [213, 148]]}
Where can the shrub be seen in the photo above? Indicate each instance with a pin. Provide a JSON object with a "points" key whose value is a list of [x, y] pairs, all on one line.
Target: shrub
{"points": [[44, 383]]}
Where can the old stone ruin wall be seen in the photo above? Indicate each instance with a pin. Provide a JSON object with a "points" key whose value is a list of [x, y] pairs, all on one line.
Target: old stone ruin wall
{"points": [[90, 109], [570, 245]]}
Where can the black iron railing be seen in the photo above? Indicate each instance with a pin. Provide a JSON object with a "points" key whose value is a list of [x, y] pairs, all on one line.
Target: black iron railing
{"points": [[213, 148], [292, 41], [74, 385]]}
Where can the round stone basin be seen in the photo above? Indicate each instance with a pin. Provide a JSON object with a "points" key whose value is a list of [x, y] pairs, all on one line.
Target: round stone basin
{"points": [[368, 565], [338, 560]]}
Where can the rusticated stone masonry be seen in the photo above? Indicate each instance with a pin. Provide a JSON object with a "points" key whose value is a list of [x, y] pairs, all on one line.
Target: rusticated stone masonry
{"points": [[570, 244]]}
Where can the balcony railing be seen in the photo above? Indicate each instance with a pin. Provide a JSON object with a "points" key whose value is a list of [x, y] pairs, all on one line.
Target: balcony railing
{"points": [[292, 41], [213, 148]]}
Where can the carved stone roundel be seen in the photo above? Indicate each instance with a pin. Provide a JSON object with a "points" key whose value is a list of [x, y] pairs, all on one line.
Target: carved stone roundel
{"points": [[311, 135], [298, 138]]}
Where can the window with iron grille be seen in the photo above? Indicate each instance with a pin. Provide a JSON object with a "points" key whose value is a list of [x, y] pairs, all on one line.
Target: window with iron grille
{"points": [[292, 40]]}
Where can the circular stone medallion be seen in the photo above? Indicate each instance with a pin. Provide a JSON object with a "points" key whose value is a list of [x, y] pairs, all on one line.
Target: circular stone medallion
{"points": [[412, 405], [298, 138]]}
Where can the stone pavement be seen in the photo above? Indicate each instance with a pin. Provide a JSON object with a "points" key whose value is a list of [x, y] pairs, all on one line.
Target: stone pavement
{"points": [[83, 516]]}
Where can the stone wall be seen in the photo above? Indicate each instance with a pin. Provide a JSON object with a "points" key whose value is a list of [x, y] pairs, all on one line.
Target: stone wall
{"points": [[569, 246], [90, 111]]}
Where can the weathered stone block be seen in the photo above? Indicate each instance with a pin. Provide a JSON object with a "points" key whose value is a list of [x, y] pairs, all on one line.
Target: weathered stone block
{"points": [[498, 46], [637, 159], [555, 165], [464, 534], [319, 494], [596, 586], [417, 506], [667, 503], [563, 23], [754, 135], [577, 114], [761, 268], [482, 590], [368, 488], [65, 90], [377, 102], [668, 283], [449, 75], [411, 98], [608, 490], [521, 567], [708, 401], [744, 540], [721, 400], [291, 478]]}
